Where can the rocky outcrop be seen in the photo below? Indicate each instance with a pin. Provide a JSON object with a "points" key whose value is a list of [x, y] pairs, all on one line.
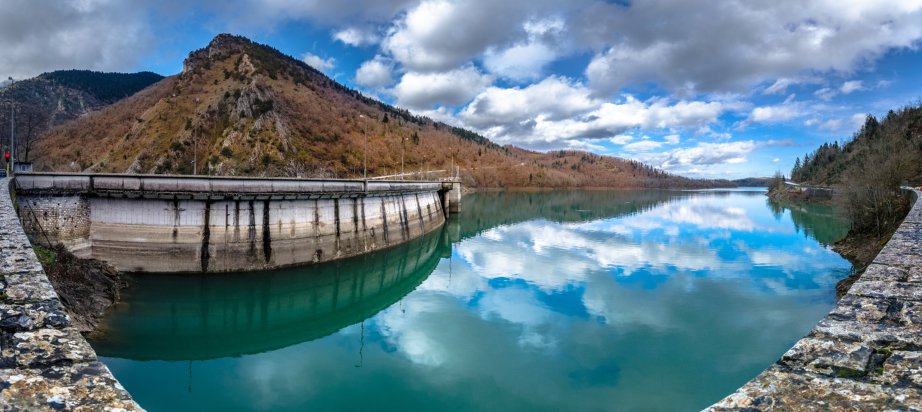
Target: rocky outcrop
{"points": [[86, 287], [866, 354], [45, 364]]}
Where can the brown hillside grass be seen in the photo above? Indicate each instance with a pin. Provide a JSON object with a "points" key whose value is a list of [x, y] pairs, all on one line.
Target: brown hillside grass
{"points": [[240, 108]]}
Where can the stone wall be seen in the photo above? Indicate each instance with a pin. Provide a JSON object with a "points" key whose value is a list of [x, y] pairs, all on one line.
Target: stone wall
{"points": [[61, 219], [866, 354], [45, 364]]}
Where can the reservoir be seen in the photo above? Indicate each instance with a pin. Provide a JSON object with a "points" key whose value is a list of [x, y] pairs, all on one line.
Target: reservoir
{"points": [[539, 301]]}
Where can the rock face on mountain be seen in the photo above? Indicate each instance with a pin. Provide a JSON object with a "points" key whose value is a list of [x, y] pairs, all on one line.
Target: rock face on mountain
{"points": [[241, 108], [55, 98]]}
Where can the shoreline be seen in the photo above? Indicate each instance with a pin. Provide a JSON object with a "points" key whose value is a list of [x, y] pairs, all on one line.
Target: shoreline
{"points": [[864, 354], [860, 249], [88, 288]]}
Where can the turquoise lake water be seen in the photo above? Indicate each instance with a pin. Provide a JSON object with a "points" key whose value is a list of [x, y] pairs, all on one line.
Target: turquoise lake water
{"points": [[548, 301]]}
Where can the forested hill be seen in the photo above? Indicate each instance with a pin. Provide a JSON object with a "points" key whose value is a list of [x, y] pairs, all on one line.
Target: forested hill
{"points": [[753, 182], [55, 98], [870, 167], [240, 108], [106, 87], [889, 149]]}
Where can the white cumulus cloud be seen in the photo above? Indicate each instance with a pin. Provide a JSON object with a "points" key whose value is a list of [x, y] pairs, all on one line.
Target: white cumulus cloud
{"points": [[356, 37], [318, 62], [851, 86], [424, 90], [557, 111], [751, 44], [705, 154], [375, 73]]}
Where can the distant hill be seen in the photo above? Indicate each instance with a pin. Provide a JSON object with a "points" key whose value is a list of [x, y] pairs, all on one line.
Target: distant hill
{"points": [[753, 182], [55, 98], [241, 108]]}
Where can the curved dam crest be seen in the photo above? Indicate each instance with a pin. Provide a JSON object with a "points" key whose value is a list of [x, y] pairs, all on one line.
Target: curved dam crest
{"points": [[199, 224]]}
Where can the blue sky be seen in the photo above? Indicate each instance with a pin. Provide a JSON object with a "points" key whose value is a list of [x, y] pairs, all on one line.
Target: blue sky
{"points": [[704, 89]]}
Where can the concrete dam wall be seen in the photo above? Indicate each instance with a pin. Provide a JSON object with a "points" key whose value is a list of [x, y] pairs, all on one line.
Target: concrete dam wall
{"points": [[198, 224]]}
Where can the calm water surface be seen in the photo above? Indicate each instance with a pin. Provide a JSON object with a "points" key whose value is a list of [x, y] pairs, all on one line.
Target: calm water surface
{"points": [[632, 301]]}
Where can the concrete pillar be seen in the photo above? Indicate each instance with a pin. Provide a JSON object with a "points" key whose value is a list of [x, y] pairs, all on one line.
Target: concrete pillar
{"points": [[455, 195], [446, 201]]}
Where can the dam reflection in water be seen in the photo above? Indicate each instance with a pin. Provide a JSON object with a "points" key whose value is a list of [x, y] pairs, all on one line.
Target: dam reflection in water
{"points": [[576, 300], [185, 317]]}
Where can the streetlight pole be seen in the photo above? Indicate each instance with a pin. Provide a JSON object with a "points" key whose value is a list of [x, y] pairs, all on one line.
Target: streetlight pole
{"points": [[195, 152], [365, 152], [12, 131], [402, 145], [195, 138]]}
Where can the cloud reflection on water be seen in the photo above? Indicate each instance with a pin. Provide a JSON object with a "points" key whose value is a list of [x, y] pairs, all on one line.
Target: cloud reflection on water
{"points": [[679, 243], [667, 305]]}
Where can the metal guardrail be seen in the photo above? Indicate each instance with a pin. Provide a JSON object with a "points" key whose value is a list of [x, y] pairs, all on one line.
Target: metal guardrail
{"points": [[199, 186]]}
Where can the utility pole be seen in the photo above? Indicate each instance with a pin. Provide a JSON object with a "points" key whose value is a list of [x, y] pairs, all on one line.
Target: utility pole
{"points": [[12, 131]]}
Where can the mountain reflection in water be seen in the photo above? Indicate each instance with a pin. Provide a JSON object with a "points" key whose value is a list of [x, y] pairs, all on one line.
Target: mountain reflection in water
{"points": [[571, 300]]}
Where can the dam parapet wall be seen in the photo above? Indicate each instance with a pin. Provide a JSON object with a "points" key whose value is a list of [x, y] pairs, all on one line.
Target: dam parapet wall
{"points": [[866, 354], [45, 364], [141, 223]]}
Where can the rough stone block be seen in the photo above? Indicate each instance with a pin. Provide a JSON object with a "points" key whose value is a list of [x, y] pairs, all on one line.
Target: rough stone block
{"points": [[18, 260], [778, 390], [899, 259], [880, 334], [81, 387], [44, 348], [28, 287], [877, 272], [860, 308], [827, 356], [31, 316], [889, 290], [902, 368]]}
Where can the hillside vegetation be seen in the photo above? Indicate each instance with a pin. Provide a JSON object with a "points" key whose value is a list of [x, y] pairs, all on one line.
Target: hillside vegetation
{"points": [[869, 168], [241, 108], [105, 87], [55, 98]]}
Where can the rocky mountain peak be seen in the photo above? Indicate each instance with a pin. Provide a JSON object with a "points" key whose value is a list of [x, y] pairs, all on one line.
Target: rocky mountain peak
{"points": [[227, 42], [221, 46]]}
